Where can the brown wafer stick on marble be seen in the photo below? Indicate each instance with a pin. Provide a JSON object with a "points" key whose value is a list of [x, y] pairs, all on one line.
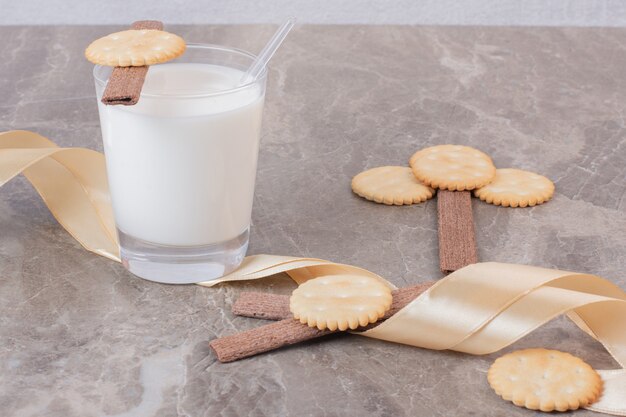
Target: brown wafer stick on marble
{"points": [[261, 305], [287, 331], [125, 83], [457, 242]]}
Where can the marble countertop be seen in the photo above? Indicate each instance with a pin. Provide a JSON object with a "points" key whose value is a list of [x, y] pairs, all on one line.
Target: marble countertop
{"points": [[79, 336]]}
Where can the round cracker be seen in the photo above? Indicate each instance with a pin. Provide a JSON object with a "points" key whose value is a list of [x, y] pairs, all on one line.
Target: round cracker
{"points": [[453, 167], [339, 302], [442, 148], [546, 380], [391, 185], [516, 188], [133, 48]]}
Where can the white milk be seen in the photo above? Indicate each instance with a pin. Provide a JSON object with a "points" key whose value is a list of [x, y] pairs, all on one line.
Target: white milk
{"points": [[181, 170]]}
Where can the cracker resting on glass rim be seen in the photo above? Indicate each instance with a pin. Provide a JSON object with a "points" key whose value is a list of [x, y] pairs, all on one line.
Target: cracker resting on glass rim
{"points": [[135, 48]]}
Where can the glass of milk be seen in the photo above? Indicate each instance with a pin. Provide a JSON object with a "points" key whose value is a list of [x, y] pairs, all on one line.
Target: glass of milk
{"points": [[181, 165]]}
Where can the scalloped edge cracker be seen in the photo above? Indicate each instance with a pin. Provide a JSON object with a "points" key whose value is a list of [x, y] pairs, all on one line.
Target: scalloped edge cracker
{"points": [[135, 48], [452, 167], [516, 188], [546, 380], [340, 302], [391, 185]]}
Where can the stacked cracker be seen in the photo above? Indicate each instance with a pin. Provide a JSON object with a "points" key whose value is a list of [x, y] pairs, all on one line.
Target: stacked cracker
{"points": [[340, 302]]}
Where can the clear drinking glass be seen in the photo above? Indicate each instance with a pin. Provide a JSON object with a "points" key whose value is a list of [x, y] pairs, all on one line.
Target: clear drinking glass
{"points": [[181, 165]]}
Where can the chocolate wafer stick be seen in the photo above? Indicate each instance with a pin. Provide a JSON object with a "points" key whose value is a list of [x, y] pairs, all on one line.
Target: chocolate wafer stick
{"points": [[263, 339], [287, 331], [457, 243], [261, 305], [125, 83]]}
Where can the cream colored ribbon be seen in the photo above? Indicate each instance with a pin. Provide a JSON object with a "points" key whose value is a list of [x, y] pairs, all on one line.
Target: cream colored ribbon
{"points": [[479, 309]]}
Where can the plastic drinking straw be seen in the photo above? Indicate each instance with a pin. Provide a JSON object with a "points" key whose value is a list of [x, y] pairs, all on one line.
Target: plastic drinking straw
{"points": [[268, 52]]}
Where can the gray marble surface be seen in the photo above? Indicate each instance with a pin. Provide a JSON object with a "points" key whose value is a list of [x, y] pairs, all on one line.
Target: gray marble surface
{"points": [[79, 336]]}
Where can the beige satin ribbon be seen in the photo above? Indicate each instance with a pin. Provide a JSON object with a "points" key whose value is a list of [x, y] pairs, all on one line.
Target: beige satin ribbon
{"points": [[479, 309], [71, 181]]}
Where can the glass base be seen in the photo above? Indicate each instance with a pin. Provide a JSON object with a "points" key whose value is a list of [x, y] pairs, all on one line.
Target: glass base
{"points": [[182, 264]]}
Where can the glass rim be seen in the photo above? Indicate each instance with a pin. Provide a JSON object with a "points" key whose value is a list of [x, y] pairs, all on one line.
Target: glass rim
{"points": [[102, 82]]}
